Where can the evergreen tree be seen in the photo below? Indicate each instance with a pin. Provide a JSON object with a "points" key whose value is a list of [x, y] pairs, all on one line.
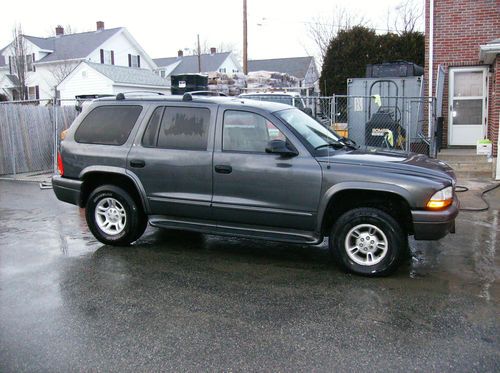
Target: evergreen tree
{"points": [[351, 50]]}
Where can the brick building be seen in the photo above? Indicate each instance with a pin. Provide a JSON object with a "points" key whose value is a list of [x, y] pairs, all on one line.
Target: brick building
{"points": [[463, 36]]}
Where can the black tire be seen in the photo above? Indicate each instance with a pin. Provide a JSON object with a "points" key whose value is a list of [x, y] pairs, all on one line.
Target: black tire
{"points": [[135, 219], [396, 238]]}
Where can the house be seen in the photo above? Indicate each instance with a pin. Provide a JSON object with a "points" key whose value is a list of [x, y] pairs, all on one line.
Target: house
{"points": [[462, 46], [302, 68], [213, 62], [96, 78], [50, 60]]}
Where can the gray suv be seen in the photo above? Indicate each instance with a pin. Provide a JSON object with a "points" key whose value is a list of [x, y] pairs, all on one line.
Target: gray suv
{"points": [[250, 169]]}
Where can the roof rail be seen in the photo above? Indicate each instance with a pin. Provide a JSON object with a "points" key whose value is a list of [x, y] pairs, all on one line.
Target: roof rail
{"points": [[121, 96], [187, 97], [207, 93]]}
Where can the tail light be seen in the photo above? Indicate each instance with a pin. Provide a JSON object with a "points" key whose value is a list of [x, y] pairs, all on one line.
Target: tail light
{"points": [[60, 167]]}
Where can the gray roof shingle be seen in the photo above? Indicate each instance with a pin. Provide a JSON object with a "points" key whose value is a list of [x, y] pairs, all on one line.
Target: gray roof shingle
{"points": [[72, 46], [129, 75], [13, 79], [295, 66], [189, 64]]}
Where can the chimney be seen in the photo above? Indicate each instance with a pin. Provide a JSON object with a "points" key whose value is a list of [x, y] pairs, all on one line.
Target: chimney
{"points": [[180, 53], [100, 25], [59, 30], [213, 50]]}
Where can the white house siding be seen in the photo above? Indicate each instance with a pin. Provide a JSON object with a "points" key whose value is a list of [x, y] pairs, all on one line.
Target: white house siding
{"points": [[3, 72], [31, 77], [84, 80], [122, 47], [117, 88], [229, 65]]}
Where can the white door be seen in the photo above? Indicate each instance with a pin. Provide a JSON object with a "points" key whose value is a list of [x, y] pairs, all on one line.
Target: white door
{"points": [[467, 116]]}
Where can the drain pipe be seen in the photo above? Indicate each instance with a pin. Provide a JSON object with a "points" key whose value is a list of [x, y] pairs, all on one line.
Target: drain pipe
{"points": [[431, 67]]}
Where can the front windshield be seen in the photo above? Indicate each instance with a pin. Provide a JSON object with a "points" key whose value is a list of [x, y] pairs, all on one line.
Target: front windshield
{"points": [[313, 132]]}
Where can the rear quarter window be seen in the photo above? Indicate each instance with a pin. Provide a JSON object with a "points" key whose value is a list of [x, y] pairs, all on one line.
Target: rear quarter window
{"points": [[108, 125]]}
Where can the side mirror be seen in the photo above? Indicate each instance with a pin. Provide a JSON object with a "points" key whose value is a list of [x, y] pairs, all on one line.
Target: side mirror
{"points": [[280, 147], [308, 111]]}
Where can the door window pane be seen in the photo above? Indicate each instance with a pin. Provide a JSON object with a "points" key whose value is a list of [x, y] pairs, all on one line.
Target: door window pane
{"points": [[184, 128], [467, 112], [468, 83], [248, 132]]}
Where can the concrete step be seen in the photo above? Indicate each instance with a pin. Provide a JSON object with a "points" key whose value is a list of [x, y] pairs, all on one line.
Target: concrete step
{"points": [[466, 175], [471, 166], [474, 158], [458, 151]]}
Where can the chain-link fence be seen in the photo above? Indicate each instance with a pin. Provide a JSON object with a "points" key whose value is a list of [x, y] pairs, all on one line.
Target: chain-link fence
{"points": [[28, 131], [398, 123]]}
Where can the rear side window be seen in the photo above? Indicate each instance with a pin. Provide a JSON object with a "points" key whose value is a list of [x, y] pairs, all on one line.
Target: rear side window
{"points": [[108, 125], [184, 128]]}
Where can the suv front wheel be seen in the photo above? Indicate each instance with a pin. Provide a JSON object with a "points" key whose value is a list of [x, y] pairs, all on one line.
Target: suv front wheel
{"points": [[368, 241], [113, 216]]}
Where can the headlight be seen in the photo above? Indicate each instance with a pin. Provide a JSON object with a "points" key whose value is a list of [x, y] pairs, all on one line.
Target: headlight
{"points": [[441, 199]]}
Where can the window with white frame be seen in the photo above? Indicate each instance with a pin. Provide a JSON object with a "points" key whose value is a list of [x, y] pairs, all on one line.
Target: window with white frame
{"points": [[222, 70], [162, 73], [32, 93], [108, 57], [29, 62], [135, 61]]}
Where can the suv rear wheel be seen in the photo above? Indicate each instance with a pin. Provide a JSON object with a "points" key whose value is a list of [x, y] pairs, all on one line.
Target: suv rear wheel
{"points": [[113, 216], [368, 241]]}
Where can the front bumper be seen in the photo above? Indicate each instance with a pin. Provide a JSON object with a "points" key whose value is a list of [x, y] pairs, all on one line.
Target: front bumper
{"points": [[433, 225], [67, 190]]}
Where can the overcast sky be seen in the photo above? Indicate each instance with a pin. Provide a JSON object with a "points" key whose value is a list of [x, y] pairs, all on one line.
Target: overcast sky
{"points": [[276, 28]]}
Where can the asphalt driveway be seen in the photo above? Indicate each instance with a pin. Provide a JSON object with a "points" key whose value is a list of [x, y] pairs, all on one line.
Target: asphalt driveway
{"points": [[179, 301]]}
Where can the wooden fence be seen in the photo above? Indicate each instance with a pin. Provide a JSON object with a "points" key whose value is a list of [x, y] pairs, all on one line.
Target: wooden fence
{"points": [[27, 136]]}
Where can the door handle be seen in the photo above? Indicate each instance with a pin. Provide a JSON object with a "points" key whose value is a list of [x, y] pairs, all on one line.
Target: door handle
{"points": [[137, 163], [223, 169]]}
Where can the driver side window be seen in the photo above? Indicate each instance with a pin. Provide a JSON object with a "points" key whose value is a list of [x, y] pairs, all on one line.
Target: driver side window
{"points": [[248, 132]]}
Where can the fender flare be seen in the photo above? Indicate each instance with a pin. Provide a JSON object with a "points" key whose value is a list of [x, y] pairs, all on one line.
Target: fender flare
{"points": [[368, 186], [123, 172]]}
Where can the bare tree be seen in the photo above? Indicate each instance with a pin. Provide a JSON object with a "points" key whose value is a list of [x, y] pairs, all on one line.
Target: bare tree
{"points": [[61, 69], [68, 29], [206, 45], [408, 17], [18, 60], [323, 29]]}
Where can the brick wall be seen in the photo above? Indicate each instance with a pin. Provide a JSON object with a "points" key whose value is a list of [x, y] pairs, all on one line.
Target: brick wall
{"points": [[460, 27]]}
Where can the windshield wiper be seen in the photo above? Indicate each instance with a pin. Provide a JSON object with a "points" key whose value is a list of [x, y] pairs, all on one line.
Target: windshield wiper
{"points": [[349, 143], [337, 145]]}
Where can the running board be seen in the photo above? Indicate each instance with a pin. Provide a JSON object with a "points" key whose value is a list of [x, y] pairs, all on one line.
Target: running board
{"points": [[246, 231]]}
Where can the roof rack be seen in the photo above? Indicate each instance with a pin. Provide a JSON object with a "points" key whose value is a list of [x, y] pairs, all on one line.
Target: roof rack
{"points": [[207, 93], [188, 96], [121, 96]]}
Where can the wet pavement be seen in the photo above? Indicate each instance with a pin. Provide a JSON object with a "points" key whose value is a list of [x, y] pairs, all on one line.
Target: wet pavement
{"points": [[178, 301]]}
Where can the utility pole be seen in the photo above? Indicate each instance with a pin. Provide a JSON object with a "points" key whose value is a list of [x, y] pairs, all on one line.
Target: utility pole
{"points": [[245, 39], [199, 54]]}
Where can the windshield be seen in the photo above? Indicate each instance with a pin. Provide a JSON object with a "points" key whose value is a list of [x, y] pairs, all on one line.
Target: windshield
{"points": [[313, 132]]}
